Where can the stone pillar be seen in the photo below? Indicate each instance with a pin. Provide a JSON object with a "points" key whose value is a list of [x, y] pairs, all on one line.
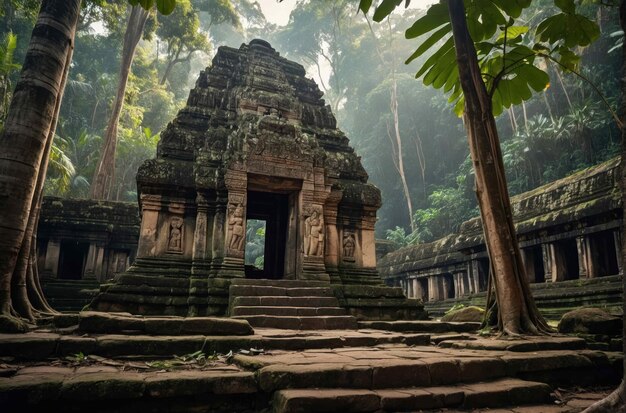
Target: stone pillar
{"points": [[528, 261], [547, 261], [409, 288], [433, 288], [200, 233], [90, 263], [334, 251], [99, 265], [53, 252], [219, 224], [585, 263], [466, 282], [150, 208], [417, 289], [445, 287], [470, 278], [617, 242], [558, 267], [476, 275], [459, 284]]}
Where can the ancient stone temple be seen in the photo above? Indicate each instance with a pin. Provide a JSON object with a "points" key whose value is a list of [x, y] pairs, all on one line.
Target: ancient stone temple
{"points": [[255, 141]]}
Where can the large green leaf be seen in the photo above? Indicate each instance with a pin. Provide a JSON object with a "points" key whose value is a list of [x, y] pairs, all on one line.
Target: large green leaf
{"points": [[512, 33], [165, 6], [567, 6], [429, 42], [385, 8], [442, 67], [569, 29], [146, 4], [364, 5], [432, 60], [436, 16], [512, 8]]}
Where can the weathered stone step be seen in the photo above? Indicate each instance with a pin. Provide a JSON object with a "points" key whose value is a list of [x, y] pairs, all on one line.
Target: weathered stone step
{"points": [[518, 345], [339, 322], [68, 304], [287, 311], [394, 367], [41, 346], [498, 393], [262, 290], [104, 389], [280, 283], [273, 301], [422, 326], [105, 323]]}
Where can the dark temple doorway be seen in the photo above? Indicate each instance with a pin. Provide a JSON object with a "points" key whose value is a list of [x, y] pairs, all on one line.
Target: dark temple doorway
{"points": [[72, 259], [269, 214]]}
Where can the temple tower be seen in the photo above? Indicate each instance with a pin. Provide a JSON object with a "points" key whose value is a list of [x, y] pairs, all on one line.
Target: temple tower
{"points": [[255, 141]]}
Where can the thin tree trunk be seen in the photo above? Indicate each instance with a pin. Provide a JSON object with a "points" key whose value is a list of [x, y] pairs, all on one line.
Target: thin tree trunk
{"points": [[28, 128], [393, 105], [525, 116], [616, 401], [517, 312], [558, 75], [512, 119], [103, 177], [545, 99], [170, 65]]}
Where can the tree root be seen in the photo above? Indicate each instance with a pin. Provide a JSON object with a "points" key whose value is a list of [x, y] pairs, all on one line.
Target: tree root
{"points": [[613, 403], [12, 325]]}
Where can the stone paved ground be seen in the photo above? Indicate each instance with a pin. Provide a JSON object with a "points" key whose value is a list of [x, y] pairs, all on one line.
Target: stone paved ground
{"points": [[348, 371]]}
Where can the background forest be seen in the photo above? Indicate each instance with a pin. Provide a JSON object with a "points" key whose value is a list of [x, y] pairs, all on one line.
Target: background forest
{"points": [[382, 108]]}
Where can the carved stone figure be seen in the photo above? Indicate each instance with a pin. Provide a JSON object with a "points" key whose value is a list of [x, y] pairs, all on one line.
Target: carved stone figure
{"points": [[314, 233], [235, 221], [175, 243], [348, 246]]}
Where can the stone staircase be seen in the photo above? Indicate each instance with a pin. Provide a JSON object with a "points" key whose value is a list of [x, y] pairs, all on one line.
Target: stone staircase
{"points": [[288, 304], [411, 379]]}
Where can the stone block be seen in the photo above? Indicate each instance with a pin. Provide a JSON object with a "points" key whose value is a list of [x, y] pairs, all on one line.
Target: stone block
{"points": [[404, 373], [335, 400], [103, 386], [477, 369]]}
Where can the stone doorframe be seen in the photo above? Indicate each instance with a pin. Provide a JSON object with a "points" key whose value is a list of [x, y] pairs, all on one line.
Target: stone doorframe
{"points": [[306, 231]]}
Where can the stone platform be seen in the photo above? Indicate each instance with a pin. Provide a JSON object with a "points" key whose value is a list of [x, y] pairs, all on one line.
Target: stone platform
{"points": [[272, 370]]}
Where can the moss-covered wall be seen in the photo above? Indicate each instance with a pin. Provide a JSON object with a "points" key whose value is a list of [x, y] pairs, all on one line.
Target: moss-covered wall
{"points": [[115, 224], [582, 203]]}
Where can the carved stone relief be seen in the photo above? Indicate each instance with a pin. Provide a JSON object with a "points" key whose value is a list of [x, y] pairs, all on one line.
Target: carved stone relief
{"points": [[314, 232], [236, 229], [175, 241], [349, 244]]}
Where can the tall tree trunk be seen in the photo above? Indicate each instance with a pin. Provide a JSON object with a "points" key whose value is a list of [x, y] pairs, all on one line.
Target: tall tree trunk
{"points": [[616, 401], [517, 312], [103, 177], [25, 138], [25, 289]]}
